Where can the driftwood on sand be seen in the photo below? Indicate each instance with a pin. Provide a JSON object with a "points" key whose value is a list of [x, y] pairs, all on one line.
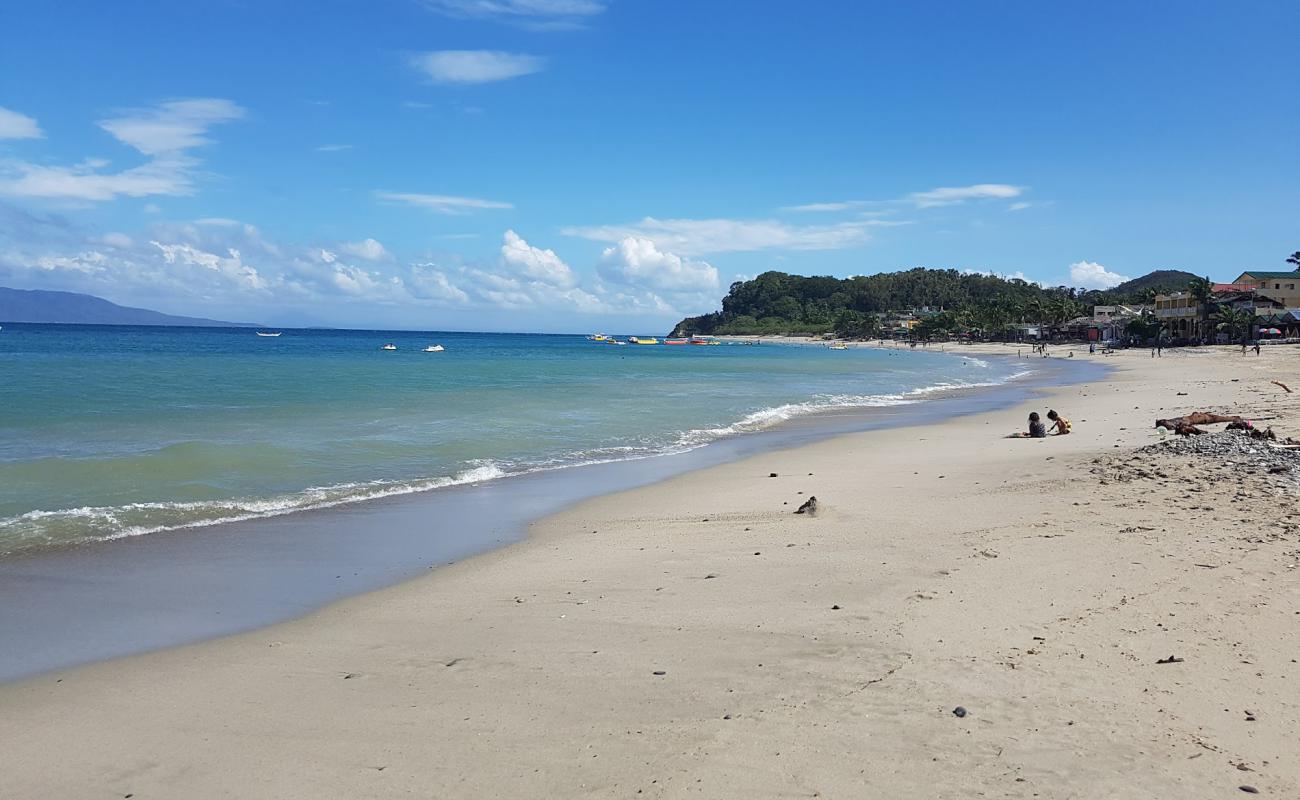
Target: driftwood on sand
{"points": [[1187, 425], [1285, 388]]}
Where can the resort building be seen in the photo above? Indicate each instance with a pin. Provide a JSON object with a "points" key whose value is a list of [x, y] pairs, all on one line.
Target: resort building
{"points": [[1283, 287], [1179, 314]]}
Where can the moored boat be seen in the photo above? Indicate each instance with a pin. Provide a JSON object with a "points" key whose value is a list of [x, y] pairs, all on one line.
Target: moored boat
{"points": [[434, 348], [677, 341], [389, 346], [642, 340], [269, 333], [598, 337]]}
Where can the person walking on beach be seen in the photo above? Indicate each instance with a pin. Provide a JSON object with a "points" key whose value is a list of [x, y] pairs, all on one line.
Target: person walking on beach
{"points": [[1256, 348]]}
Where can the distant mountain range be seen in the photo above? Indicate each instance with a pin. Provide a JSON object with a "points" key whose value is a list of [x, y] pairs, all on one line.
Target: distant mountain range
{"points": [[71, 308]]}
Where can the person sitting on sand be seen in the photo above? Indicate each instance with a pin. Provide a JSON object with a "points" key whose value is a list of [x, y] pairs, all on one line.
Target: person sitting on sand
{"points": [[1036, 429], [1059, 423]]}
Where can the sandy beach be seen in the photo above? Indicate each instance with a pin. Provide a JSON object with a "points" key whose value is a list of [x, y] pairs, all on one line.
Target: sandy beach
{"points": [[697, 638]]}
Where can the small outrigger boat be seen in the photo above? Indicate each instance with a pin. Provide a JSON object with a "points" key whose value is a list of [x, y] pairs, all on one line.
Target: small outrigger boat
{"points": [[702, 340], [389, 346], [612, 340], [434, 348], [838, 346], [639, 340], [677, 341], [269, 333]]}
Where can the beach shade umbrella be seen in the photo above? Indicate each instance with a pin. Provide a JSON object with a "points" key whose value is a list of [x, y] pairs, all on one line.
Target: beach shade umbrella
{"points": [[1270, 331]]}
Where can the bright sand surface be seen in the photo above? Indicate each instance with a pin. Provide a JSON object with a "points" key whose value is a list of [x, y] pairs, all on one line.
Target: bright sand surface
{"points": [[1034, 583]]}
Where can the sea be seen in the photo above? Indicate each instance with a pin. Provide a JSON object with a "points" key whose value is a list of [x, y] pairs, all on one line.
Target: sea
{"points": [[111, 432]]}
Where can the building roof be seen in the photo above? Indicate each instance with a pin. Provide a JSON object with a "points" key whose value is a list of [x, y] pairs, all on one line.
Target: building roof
{"points": [[1270, 274], [1233, 287]]}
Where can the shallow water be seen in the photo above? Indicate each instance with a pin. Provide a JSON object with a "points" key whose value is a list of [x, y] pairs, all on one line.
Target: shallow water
{"points": [[114, 432]]}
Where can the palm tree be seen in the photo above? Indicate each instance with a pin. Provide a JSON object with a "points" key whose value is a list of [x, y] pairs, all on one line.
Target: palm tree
{"points": [[1294, 258], [1202, 290], [1236, 321]]}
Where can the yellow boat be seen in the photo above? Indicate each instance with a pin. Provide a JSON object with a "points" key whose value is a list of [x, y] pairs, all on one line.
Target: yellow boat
{"points": [[638, 340], [598, 337]]}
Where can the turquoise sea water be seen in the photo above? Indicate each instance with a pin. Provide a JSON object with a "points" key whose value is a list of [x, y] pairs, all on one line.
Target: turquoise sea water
{"points": [[107, 432]]}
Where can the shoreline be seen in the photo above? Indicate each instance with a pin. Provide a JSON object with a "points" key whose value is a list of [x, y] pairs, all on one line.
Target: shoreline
{"points": [[694, 637], [87, 603]]}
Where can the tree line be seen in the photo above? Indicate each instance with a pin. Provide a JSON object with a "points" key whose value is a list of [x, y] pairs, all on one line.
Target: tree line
{"points": [[780, 303]]}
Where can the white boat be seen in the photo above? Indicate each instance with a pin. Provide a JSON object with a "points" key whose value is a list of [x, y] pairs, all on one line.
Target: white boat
{"points": [[389, 346], [434, 348], [269, 333]]}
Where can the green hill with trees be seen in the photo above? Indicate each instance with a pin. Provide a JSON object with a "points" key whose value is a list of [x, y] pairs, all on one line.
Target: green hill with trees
{"points": [[779, 303]]}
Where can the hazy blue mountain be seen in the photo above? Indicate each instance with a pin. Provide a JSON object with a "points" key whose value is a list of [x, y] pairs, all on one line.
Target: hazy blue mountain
{"points": [[36, 305]]}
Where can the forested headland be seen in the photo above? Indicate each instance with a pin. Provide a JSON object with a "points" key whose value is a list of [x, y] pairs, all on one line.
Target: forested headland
{"points": [[861, 306]]}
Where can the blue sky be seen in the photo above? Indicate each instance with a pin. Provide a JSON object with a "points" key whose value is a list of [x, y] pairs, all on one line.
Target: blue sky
{"points": [[566, 165]]}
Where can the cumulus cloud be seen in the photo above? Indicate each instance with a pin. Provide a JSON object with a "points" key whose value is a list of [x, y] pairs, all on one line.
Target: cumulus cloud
{"points": [[165, 134], [441, 203], [535, 263], [369, 249], [1091, 275], [1021, 206], [638, 261], [699, 236], [14, 125], [230, 265], [474, 66], [953, 195]]}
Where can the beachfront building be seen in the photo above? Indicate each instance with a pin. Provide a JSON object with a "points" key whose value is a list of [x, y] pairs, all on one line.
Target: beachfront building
{"points": [[1283, 287], [1179, 315], [1109, 323]]}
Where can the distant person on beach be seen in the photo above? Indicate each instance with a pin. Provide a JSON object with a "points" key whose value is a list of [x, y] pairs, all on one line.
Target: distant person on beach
{"points": [[1256, 348], [1059, 423], [1036, 429]]}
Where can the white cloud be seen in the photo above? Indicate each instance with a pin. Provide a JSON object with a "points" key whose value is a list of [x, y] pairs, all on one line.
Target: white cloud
{"points": [[429, 283], [638, 261], [1021, 206], [230, 265], [952, 195], [333, 148], [443, 204], [172, 127], [698, 236], [535, 263], [545, 14], [840, 205], [14, 125], [475, 66], [1091, 275], [164, 134], [369, 249]]}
